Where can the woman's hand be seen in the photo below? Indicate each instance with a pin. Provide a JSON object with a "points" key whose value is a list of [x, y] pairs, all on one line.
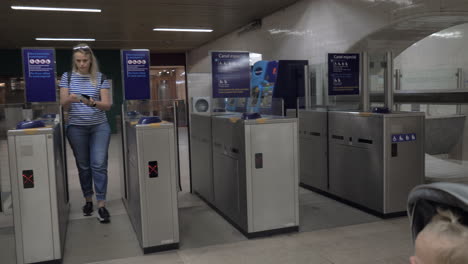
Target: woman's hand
{"points": [[87, 101], [67, 98], [91, 102], [80, 99], [74, 98]]}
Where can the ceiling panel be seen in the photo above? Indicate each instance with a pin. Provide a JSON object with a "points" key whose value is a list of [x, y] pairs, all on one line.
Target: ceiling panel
{"points": [[129, 24]]}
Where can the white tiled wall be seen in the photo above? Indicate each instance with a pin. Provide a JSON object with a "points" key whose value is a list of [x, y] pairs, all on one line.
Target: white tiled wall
{"points": [[432, 63], [310, 29]]}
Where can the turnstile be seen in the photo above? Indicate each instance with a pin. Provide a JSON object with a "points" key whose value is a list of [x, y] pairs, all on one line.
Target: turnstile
{"points": [[255, 173], [39, 191], [313, 150], [151, 164], [376, 159], [201, 156]]}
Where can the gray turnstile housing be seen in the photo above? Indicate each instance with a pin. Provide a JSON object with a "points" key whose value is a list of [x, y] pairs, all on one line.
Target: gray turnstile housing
{"points": [[367, 167], [201, 156], [40, 209], [255, 173], [152, 201], [313, 139]]}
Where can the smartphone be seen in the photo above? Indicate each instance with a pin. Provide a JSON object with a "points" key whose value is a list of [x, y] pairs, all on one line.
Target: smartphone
{"points": [[87, 97]]}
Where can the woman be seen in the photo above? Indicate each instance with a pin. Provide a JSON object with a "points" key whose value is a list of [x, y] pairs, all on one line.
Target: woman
{"points": [[85, 92]]}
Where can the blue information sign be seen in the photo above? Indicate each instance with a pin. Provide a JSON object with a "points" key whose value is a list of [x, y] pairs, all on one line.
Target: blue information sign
{"points": [[136, 79], [39, 74], [404, 137], [231, 74], [343, 73]]}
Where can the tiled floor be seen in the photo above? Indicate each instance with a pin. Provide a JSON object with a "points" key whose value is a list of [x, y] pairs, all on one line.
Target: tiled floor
{"points": [[378, 243], [208, 238]]}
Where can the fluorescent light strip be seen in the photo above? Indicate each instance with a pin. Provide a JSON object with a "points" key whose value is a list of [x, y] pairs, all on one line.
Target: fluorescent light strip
{"points": [[66, 39], [183, 29], [38, 8]]}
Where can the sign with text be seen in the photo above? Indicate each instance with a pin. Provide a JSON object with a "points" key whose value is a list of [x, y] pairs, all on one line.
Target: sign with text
{"points": [[231, 74], [343, 73], [135, 75], [39, 74]]}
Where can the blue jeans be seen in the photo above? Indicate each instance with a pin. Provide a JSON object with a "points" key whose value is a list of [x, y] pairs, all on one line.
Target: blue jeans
{"points": [[90, 146]]}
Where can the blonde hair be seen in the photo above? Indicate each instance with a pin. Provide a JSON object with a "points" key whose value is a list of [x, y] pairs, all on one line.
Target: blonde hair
{"points": [[446, 229], [93, 67]]}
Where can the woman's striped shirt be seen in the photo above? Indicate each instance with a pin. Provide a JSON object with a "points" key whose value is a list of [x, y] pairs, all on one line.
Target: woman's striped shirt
{"points": [[79, 113]]}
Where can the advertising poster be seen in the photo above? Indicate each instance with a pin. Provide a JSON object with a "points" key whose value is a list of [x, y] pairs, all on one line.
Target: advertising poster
{"points": [[39, 74], [231, 74], [263, 79], [343, 73], [136, 78]]}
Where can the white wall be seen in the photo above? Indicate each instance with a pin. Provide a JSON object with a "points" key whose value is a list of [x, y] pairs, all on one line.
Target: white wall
{"points": [[310, 29], [433, 62], [302, 31]]}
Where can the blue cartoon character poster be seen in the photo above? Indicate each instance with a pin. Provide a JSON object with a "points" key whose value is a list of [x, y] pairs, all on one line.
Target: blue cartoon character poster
{"points": [[262, 84]]}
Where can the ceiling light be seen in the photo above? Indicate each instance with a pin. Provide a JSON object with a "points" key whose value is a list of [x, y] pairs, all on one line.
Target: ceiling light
{"points": [[38, 8], [448, 35], [183, 29], [66, 39]]}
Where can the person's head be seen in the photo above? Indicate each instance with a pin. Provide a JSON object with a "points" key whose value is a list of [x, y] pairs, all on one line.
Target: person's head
{"points": [[443, 241], [84, 61]]}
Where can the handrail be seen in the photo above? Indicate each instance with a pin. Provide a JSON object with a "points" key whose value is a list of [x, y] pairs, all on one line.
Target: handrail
{"points": [[459, 96]]}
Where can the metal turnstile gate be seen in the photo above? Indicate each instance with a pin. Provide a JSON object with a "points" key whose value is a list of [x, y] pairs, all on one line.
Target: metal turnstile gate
{"points": [[151, 163], [39, 191]]}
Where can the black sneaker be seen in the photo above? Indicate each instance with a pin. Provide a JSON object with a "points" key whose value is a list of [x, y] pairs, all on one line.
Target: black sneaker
{"points": [[88, 209], [103, 215]]}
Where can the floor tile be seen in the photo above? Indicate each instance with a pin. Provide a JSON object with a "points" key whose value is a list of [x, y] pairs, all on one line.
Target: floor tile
{"points": [[256, 251], [7, 245], [318, 212], [161, 258], [201, 226], [88, 240]]}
